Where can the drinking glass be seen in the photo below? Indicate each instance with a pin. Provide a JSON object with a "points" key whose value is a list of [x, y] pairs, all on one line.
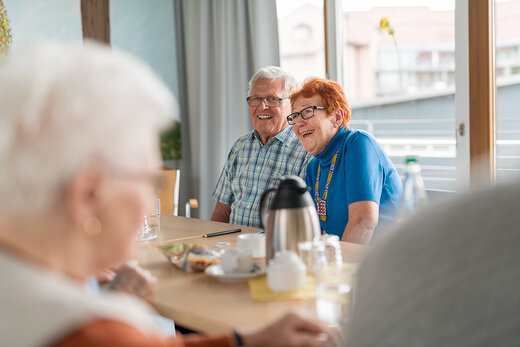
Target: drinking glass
{"points": [[312, 253], [320, 253], [154, 219], [332, 249], [334, 293], [145, 232]]}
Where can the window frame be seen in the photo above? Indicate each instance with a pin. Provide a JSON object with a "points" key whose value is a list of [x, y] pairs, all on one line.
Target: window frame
{"points": [[95, 20], [475, 86], [475, 92]]}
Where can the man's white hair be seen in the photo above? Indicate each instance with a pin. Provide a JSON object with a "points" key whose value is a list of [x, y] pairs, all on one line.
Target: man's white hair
{"points": [[272, 73], [63, 108]]}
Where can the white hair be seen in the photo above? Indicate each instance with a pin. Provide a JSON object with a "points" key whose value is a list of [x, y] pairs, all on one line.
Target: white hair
{"points": [[63, 108], [272, 73]]}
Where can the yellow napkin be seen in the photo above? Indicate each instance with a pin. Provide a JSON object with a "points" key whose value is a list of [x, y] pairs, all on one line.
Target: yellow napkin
{"points": [[261, 292]]}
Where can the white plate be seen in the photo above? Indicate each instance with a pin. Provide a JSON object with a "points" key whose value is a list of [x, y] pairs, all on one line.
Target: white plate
{"points": [[217, 272]]}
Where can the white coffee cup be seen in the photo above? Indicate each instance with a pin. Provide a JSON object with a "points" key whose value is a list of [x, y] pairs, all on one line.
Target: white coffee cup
{"points": [[236, 260], [254, 243]]}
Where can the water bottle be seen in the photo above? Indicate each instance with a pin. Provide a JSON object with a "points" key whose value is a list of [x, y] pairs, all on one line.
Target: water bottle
{"points": [[414, 196]]}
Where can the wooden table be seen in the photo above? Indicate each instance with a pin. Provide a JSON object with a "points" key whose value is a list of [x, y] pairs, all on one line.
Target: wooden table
{"points": [[202, 303]]}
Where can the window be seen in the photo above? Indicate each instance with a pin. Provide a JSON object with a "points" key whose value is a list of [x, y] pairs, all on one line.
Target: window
{"points": [[33, 20], [401, 86], [507, 138], [147, 30], [424, 58], [301, 36], [447, 58], [302, 33]]}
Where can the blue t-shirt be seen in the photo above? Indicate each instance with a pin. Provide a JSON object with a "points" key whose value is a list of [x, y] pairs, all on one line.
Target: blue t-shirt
{"points": [[363, 172]]}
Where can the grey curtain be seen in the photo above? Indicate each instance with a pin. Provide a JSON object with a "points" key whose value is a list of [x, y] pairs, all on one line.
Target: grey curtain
{"points": [[221, 44]]}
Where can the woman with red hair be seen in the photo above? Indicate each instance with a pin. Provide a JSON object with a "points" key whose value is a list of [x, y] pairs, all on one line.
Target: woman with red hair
{"points": [[351, 178]]}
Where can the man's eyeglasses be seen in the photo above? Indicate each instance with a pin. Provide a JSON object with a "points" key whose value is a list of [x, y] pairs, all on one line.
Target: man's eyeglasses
{"points": [[306, 113], [270, 101]]}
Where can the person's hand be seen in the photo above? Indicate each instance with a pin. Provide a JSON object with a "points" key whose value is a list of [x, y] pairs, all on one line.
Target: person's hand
{"points": [[293, 330], [105, 276], [133, 279]]}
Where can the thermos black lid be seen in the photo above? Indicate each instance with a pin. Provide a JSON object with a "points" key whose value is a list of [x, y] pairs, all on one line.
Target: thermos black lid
{"points": [[292, 192]]}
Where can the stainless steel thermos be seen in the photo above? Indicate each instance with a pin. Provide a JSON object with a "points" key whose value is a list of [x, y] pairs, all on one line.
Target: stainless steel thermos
{"points": [[292, 216]]}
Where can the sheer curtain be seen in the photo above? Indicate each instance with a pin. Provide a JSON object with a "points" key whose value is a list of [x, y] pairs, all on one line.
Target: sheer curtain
{"points": [[221, 44]]}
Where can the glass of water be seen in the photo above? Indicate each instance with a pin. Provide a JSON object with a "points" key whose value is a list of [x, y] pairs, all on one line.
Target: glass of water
{"points": [[145, 232], [334, 293], [332, 249], [154, 219], [320, 253], [312, 253]]}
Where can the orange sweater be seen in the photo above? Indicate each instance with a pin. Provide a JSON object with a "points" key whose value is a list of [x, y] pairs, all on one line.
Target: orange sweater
{"points": [[109, 333]]}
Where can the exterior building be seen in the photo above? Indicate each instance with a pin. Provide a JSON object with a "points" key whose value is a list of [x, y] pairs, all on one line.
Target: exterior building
{"points": [[403, 92], [423, 59]]}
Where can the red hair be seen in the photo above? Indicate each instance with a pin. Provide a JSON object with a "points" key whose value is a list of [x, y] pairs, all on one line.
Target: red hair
{"points": [[331, 93]]}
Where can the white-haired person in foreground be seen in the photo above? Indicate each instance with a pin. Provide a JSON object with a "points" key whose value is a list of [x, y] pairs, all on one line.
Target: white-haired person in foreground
{"points": [[448, 277], [79, 130]]}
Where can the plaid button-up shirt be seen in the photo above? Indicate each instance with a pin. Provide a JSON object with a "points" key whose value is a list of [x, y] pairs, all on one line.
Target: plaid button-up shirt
{"points": [[252, 168]]}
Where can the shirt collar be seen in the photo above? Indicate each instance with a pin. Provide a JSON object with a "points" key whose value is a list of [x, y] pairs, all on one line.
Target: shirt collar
{"points": [[325, 157], [283, 136]]}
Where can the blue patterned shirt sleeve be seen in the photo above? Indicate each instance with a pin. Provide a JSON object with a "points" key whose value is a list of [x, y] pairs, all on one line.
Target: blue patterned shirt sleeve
{"points": [[223, 192]]}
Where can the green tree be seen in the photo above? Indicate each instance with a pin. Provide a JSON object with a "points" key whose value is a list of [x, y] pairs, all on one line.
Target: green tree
{"points": [[5, 31], [171, 142]]}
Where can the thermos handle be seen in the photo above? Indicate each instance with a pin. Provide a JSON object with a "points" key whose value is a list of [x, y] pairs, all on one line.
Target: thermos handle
{"points": [[263, 206]]}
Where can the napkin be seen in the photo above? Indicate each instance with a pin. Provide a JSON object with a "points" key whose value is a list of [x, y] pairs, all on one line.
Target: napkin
{"points": [[261, 292]]}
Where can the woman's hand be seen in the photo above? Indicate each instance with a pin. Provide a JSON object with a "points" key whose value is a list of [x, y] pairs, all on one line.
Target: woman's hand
{"points": [[133, 279], [293, 330]]}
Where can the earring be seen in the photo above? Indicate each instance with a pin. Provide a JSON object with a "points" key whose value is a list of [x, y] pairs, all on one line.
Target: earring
{"points": [[92, 226]]}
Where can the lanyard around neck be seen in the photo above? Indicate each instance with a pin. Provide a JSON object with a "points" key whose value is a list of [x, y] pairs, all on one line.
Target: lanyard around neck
{"points": [[322, 203]]}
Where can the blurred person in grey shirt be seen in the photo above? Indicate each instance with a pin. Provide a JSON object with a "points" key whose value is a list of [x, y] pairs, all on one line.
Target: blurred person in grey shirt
{"points": [[450, 276]]}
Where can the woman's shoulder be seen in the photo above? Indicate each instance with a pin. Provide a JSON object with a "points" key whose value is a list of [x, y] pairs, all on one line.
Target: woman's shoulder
{"points": [[357, 135], [359, 139]]}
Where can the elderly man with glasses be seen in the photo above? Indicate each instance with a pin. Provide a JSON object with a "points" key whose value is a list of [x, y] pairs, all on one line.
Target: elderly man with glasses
{"points": [[259, 158]]}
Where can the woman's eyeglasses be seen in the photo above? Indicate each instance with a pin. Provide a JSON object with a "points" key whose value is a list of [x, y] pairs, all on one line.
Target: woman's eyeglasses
{"points": [[306, 113]]}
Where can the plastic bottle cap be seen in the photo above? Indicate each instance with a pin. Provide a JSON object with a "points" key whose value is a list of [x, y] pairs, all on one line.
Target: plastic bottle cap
{"points": [[411, 159]]}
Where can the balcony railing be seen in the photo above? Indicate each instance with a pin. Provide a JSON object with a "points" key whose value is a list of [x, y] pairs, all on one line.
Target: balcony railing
{"points": [[433, 142]]}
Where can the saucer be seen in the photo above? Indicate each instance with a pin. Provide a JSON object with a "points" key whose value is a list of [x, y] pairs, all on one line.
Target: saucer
{"points": [[217, 272]]}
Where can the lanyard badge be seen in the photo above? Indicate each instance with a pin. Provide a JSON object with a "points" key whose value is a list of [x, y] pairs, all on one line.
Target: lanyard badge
{"points": [[321, 203]]}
